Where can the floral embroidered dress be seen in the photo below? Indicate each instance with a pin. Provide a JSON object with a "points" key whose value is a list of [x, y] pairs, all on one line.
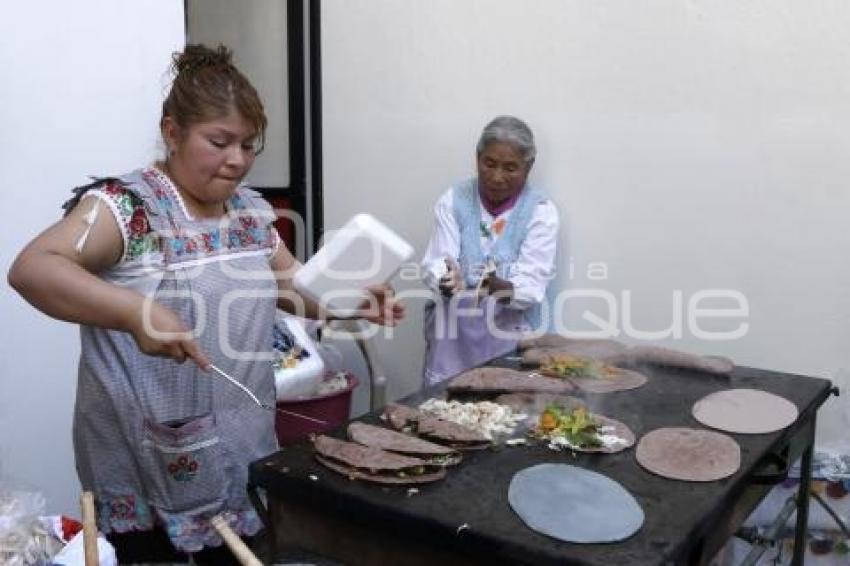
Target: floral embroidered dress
{"points": [[162, 443]]}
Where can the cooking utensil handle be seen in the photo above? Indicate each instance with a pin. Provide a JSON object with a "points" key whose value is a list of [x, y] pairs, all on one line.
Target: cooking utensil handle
{"points": [[236, 545], [89, 529]]}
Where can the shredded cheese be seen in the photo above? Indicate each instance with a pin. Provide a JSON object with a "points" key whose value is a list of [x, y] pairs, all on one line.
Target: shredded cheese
{"points": [[488, 418]]}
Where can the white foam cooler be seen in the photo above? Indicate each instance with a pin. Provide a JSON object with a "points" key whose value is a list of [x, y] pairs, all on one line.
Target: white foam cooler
{"points": [[362, 253]]}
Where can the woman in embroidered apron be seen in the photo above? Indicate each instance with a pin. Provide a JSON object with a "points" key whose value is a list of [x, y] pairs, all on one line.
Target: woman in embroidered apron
{"points": [[170, 262], [490, 258]]}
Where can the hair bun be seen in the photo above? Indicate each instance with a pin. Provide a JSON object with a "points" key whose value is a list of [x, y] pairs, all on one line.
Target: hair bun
{"points": [[206, 86], [198, 56]]}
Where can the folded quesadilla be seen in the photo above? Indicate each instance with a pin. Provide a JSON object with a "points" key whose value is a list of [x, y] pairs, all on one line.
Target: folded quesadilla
{"points": [[608, 351], [614, 353], [400, 443], [436, 430], [589, 375], [373, 464], [503, 380], [566, 365]]}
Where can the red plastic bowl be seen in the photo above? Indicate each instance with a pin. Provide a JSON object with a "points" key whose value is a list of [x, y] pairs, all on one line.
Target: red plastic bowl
{"points": [[332, 408]]}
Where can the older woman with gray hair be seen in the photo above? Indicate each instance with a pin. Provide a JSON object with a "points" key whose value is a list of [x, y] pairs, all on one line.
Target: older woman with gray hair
{"points": [[491, 256]]}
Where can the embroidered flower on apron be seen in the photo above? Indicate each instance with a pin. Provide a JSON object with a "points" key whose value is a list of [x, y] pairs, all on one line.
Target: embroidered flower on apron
{"points": [[184, 468]]}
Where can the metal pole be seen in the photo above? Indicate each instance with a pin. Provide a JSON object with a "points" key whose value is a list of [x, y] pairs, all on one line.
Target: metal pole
{"points": [[760, 545], [801, 532]]}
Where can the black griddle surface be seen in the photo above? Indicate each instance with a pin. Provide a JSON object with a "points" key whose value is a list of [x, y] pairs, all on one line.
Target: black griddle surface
{"points": [[469, 509]]}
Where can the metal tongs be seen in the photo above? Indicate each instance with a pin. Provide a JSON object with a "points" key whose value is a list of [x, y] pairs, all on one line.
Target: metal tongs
{"points": [[259, 403]]}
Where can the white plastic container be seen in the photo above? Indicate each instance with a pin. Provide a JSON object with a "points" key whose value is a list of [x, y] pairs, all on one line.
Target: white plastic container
{"points": [[362, 253]]}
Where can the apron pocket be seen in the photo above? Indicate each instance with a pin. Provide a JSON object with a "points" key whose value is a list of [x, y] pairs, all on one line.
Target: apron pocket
{"points": [[184, 467]]}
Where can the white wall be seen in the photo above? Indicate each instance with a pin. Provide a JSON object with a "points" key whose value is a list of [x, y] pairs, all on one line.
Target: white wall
{"points": [[689, 145], [256, 32], [81, 94]]}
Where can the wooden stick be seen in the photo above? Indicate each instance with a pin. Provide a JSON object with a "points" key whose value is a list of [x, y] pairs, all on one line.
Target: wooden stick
{"points": [[89, 529], [237, 546]]}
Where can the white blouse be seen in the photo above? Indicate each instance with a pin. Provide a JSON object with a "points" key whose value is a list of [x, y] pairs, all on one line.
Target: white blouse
{"points": [[535, 265]]}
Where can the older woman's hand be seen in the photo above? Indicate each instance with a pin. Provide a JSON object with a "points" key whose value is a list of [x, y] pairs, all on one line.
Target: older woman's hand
{"points": [[500, 288], [381, 307], [450, 283]]}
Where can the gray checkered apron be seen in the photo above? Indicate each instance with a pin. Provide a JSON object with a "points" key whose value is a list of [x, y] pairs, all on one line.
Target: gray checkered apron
{"points": [[162, 443]]}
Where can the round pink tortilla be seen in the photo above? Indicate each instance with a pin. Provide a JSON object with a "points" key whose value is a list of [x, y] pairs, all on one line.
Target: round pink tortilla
{"points": [[745, 411], [689, 454]]}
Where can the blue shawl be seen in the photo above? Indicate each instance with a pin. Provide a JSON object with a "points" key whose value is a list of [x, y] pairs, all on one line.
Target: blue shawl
{"points": [[467, 213]]}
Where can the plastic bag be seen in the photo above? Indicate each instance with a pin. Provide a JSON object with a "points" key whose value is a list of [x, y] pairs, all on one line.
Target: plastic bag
{"points": [[24, 538], [299, 368], [331, 357], [74, 553]]}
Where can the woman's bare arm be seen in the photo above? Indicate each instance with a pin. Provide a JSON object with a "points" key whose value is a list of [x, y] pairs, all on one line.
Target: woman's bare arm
{"points": [[62, 282]]}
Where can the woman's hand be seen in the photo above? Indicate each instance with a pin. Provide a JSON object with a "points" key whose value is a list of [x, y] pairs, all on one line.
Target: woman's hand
{"points": [[450, 283], [500, 288], [158, 331], [381, 307]]}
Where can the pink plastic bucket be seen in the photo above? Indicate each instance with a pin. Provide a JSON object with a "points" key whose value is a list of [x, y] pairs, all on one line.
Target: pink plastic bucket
{"points": [[332, 408]]}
